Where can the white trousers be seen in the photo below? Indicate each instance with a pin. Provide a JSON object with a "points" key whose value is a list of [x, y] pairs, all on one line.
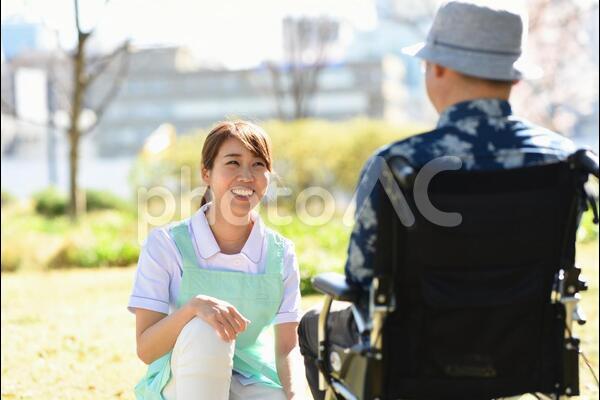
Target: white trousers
{"points": [[201, 368]]}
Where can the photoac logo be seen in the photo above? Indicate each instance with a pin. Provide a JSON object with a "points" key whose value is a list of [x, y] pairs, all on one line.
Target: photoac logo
{"points": [[379, 170]]}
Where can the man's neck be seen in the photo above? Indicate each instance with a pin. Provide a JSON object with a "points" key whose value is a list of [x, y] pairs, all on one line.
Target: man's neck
{"points": [[469, 93], [462, 100]]}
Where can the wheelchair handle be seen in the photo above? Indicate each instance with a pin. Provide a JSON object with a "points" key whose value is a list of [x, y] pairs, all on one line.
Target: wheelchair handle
{"points": [[586, 160]]}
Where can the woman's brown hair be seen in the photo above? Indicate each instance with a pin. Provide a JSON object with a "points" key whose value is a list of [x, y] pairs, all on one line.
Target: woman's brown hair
{"points": [[253, 137]]}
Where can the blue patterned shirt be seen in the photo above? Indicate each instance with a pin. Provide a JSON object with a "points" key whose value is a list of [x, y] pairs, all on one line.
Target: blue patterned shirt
{"points": [[482, 133]]}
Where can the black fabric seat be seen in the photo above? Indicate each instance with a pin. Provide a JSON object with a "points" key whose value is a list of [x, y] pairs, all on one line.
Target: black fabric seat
{"points": [[473, 311]]}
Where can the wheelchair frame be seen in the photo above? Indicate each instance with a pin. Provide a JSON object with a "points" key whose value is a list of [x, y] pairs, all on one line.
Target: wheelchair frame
{"points": [[334, 360]]}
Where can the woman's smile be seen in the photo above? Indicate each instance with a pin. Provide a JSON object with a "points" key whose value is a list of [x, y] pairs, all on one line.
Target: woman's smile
{"points": [[242, 193]]}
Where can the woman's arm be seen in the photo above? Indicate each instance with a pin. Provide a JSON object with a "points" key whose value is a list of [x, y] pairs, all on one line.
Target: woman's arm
{"points": [[290, 367], [156, 333]]}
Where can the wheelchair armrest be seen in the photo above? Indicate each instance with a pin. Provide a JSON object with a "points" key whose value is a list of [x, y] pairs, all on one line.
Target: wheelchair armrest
{"points": [[585, 160], [335, 285]]}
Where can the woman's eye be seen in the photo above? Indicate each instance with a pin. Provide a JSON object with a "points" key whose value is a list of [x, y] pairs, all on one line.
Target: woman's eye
{"points": [[259, 164], [233, 163]]}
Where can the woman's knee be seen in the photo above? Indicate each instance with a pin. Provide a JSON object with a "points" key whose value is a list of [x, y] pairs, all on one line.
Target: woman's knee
{"points": [[198, 336]]}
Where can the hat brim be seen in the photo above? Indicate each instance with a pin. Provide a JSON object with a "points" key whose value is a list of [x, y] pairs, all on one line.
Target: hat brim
{"points": [[528, 69], [413, 50], [523, 68]]}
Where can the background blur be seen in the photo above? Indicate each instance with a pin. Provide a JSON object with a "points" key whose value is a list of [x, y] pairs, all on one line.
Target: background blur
{"points": [[104, 109]]}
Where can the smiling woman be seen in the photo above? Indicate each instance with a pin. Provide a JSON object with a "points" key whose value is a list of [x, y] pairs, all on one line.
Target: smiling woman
{"points": [[208, 289], [236, 164]]}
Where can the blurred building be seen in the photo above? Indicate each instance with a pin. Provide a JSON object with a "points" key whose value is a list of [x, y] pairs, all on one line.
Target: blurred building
{"points": [[164, 85], [368, 77], [167, 85], [34, 87], [19, 36]]}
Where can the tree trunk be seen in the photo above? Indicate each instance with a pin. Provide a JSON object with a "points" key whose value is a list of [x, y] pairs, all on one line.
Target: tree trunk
{"points": [[75, 206]]}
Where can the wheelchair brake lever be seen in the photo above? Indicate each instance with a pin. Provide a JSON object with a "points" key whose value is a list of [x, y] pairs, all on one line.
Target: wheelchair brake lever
{"points": [[360, 348], [365, 349]]}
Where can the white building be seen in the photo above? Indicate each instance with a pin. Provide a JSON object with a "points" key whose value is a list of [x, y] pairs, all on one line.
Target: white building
{"points": [[163, 86]]}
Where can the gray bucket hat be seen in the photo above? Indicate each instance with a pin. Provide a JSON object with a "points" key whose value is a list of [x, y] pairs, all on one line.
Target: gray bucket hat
{"points": [[477, 41]]}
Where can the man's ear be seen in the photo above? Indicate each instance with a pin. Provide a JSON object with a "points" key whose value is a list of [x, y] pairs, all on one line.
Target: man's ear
{"points": [[439, 70]]}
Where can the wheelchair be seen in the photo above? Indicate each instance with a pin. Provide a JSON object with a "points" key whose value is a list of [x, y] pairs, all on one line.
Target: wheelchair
{"points": [[482, 309]]}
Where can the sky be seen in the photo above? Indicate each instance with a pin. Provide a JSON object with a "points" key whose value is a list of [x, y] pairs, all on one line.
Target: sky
{"points": [[234, 32]]}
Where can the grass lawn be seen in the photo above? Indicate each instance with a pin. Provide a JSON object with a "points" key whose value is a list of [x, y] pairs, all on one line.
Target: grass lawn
{"points": [[66, 334]]}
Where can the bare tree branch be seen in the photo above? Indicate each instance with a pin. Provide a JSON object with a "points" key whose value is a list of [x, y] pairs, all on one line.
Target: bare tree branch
{"points": [[104, 62], [114, 90], [80, 33], [77, 23], [81, 84], [306, 45], [278, 92], [325, 33]]}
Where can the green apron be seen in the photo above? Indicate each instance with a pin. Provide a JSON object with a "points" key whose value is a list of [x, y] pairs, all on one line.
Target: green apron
{"points": [[256, 296]]}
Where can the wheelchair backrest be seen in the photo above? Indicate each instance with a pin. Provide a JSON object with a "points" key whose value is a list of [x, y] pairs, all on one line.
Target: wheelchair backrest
{"points": [[473, 301]]}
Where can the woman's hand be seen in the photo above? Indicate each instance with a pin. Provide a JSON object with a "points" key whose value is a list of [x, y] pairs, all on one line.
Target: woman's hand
{"points": [[219, 314]]}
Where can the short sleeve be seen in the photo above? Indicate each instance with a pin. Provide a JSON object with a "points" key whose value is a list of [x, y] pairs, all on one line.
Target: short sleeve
{"points": [[158, 262], [289, 311]]}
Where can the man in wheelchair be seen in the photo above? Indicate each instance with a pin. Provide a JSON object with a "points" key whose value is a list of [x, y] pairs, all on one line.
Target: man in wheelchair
{"points": [[460, 266]]}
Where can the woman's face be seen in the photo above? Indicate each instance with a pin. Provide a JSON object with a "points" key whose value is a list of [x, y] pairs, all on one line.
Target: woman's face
{"points": [[238, 179]]}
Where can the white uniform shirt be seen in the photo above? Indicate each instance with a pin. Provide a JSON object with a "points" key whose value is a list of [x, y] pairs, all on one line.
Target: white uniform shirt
{"points": [[158, 275]]}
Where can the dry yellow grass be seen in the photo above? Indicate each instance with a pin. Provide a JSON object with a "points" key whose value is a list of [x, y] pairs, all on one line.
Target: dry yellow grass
{"points": [[67, 334]]}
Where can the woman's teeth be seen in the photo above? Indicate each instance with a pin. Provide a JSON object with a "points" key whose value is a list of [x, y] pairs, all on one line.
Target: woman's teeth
{"points": [[242, 192]]}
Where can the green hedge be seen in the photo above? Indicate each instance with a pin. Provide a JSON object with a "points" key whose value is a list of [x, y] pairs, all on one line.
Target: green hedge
{"points": [[98, 238], [101, 238], [105, 200], [7, 198], [105, 253], [51, 202], [11, 259], [306, 153], [318, 248]]}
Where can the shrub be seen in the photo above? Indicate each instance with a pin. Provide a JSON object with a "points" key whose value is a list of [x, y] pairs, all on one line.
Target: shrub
{"points": [[99, 254], [50, 202], [328, 154], [11, 259], [105, 200], [7, 198], [102, 238], [98, 238], [306, 153], [318, 248]]}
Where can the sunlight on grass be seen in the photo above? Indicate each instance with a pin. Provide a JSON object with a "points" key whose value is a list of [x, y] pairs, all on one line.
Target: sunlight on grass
{"points": [[66, 334]]}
